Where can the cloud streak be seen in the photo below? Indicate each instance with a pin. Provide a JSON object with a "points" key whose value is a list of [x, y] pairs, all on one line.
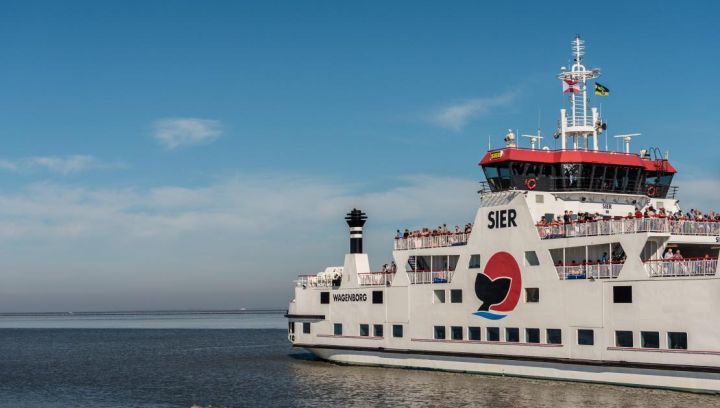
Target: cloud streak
{"points": [[456, 116], [63, 165], [173, 133]]}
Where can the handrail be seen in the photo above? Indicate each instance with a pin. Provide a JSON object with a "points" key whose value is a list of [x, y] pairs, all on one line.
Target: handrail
{"points": [[681, 267], [376, 278], [607, 270], [426, 277], [437, 241], [629, 226]]}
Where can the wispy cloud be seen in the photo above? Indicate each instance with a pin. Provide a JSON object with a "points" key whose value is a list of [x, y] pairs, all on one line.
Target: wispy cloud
{"points": [[458, 115], [172, 133], [63, 165]]}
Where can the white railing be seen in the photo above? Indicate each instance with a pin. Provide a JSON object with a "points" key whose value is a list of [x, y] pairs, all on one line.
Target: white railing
{"points": [[424, 277], [681, 267], [595, 271], [376, 278], [314, 281], [629, 226], [437, 241]]}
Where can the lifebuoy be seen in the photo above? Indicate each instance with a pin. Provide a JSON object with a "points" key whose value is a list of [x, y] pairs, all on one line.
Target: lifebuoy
{"points": [[651, 191], [531, 183]]}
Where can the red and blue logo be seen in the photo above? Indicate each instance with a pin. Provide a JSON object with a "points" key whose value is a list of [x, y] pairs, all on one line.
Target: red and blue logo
{"points": [[498, 287]]}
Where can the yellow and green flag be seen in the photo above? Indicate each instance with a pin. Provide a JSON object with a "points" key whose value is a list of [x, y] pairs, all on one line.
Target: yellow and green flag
{"points": [[601, 90]]}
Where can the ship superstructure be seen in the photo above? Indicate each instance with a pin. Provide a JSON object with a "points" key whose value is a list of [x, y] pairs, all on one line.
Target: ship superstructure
{"points": [[579, 265]]}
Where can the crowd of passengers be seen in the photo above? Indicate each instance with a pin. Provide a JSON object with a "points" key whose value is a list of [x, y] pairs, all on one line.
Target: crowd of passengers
{"points": [[693, 215], [439, 231], [604, 259]]}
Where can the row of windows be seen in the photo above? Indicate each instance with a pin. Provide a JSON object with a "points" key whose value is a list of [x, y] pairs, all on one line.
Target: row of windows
{"points": [[455, 296], [378, 330], [512, 334], [585, 337], [648, 339]]}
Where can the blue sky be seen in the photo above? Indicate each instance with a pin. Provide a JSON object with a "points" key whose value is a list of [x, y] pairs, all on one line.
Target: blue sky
{"points": [[195, 154]]}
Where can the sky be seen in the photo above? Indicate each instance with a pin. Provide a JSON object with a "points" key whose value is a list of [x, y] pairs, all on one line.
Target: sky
{"points": [[200, 155]]}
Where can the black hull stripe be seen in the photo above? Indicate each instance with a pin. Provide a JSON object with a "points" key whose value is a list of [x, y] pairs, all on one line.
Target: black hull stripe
{"points": [[620, 364]]}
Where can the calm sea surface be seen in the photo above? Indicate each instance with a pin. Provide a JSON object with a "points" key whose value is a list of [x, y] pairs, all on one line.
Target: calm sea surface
{"points": [[227, 360]]}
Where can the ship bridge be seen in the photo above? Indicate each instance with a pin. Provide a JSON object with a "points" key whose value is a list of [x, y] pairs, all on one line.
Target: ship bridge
{"points": [[514, 168]]}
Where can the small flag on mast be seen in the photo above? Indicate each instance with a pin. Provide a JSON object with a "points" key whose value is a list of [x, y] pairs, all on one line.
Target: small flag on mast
{"points": [[601, 90], [570, 86]]}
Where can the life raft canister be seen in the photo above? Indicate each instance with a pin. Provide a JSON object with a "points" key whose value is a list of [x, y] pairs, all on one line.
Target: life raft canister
{"points": [[651, 191], [531, 183]]}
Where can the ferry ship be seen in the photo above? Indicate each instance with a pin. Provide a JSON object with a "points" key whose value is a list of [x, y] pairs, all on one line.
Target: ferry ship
{"points": [[580, 265]]}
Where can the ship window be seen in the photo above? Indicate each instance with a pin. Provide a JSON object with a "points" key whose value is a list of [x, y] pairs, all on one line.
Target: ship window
{"points": [[623, 338], [493, 334], [397, 330], [677, 341], [532, 295], [306, 327], [337, 329], [474, 261], [554, 336], [532, 335], [456, 332], [649, 339], [518, 169], [456, 296], [622, 294], [377, 297], [324, 298], [474, 333], [364, 330], [531, 258], [439, 296], [512, 334], [586, 337], [377, 330], [439, 332]]}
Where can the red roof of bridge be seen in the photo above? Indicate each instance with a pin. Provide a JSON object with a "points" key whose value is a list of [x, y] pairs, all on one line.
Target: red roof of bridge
{"points": [[514, 154]]}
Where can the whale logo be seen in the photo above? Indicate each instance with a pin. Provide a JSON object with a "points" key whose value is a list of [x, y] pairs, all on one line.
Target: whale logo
{"points": [[498, 286]]}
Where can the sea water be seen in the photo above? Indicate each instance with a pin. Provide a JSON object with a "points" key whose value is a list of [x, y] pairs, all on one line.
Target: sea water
{"points": [[245, 360]]}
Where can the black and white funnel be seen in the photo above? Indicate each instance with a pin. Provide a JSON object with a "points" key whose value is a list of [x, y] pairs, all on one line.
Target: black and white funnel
{"points": [[355, 220]]}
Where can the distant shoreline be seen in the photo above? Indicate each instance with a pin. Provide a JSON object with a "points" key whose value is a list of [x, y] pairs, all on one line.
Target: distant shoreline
{"points": [[145, 312]]}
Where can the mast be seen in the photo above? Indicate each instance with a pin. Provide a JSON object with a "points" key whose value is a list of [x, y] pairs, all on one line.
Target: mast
{"points": [[580, 123]]}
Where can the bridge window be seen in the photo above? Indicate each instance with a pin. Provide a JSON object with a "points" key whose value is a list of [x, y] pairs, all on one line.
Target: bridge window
{"points": [[337, 329], [586, 337], [623, 338], [378, 330], [532, 335], [456, 332], [439, 296], [677, 341], [493, 334], [474, 333], [649, 339], [439, 332], [397, 330], [364, 330], [456, 296]]}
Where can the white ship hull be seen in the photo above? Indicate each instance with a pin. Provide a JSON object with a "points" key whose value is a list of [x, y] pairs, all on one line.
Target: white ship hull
{"points": [[675, 379]]}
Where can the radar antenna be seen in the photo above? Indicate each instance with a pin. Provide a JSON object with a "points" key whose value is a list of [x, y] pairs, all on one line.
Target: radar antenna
{"points": [[534, 139], [627, 139]]}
